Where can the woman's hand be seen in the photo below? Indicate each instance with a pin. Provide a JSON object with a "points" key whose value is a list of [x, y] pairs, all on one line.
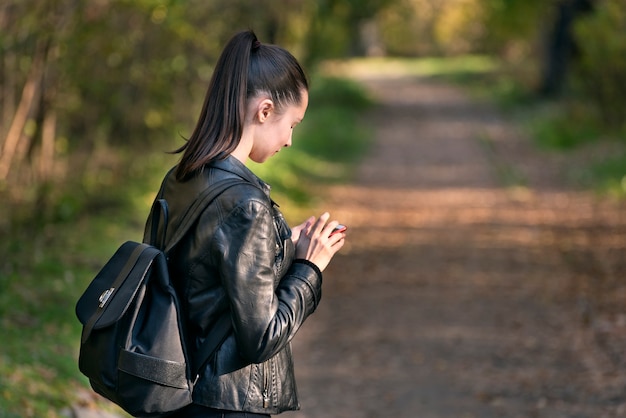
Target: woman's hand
{"points": [[296, 231], [314, 242]]}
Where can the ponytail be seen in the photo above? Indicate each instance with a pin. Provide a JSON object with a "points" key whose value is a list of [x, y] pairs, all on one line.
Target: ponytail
{"points": [[245, 69]]}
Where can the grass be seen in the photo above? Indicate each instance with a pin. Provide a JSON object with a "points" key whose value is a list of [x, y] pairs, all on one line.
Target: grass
{"points": [[572, 128], [46, 266], [608, 176]]}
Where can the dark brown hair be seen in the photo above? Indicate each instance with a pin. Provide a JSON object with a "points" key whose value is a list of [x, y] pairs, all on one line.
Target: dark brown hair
{"points": [[245, 69]]}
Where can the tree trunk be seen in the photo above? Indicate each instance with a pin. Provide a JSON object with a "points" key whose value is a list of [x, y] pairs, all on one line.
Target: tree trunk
{"points": [[48, 136], [8, 71], [30, 93], [560, 45]]}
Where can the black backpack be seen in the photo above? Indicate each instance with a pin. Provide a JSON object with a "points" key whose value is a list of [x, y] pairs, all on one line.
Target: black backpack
{"points": [[133, 345]]}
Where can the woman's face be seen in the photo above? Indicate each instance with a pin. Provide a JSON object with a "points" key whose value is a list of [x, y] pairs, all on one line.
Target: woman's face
{"points": [[276, 129]]}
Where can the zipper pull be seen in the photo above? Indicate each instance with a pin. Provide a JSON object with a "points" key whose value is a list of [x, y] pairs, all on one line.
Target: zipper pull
{"points": [[266, 399]]}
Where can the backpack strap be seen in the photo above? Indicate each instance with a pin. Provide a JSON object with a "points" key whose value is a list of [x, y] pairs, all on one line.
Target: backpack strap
{"points": [[216, 337], [160, 209], [198, 206]]}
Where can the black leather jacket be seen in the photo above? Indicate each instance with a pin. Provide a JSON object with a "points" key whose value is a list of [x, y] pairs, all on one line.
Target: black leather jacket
{"points": [[239, 260]]}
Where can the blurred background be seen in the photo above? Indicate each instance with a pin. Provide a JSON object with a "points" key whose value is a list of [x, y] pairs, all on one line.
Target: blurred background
{"points": [[95, 93]]}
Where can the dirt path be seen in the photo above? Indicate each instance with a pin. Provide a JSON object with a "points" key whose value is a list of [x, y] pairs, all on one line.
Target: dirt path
{"points": [[459, 297]]}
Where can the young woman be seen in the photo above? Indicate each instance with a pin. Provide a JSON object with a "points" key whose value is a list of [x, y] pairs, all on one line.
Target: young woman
{"points": [[242, 260]]}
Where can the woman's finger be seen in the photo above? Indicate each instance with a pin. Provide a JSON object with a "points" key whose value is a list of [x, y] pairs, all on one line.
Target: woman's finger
{"points": [[318, 226]]}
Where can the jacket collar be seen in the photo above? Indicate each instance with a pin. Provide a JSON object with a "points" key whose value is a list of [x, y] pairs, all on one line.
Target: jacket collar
{"points": [[233, 165]]}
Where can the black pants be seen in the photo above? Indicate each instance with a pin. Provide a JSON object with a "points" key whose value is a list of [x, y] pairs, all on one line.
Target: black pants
{"points": [[198, 411]]}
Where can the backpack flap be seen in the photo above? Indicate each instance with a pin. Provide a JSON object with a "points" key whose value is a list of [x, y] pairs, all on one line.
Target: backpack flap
{"points": [[111, 292]]}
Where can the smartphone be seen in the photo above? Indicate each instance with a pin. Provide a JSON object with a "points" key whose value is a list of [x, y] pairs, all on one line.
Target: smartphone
{"points": [[338, 228]]}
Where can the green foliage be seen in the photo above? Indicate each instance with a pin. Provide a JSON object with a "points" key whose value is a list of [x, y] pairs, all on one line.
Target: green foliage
{"points": [[558, 127], [601, 67], [47, 266], [510, 20], [334, 130], [335, 27], [610, 176], [39, 286], [338, 92], [116, 74], [432, 28]]}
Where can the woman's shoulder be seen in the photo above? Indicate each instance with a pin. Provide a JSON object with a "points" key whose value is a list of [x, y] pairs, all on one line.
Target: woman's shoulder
{"points": [[244, 194]]}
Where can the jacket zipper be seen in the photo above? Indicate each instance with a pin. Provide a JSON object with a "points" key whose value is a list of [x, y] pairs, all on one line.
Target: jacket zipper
{"points": [[266, 398]]}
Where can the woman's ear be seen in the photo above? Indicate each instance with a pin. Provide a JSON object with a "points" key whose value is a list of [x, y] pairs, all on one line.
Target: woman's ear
{"points": [[264, 109]]}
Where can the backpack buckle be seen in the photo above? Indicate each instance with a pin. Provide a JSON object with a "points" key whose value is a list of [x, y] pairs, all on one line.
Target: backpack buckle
{"points": [[104, 297]]}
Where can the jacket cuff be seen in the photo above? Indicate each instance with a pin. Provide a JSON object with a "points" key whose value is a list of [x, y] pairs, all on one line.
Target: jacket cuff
{"points": [[310, 264]]}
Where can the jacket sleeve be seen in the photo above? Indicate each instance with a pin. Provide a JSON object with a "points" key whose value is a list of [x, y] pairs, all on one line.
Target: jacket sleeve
{"points": [[266, 313]]}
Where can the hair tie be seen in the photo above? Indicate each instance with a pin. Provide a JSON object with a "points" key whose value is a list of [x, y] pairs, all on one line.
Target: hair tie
{"points": [[256, 45]]}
